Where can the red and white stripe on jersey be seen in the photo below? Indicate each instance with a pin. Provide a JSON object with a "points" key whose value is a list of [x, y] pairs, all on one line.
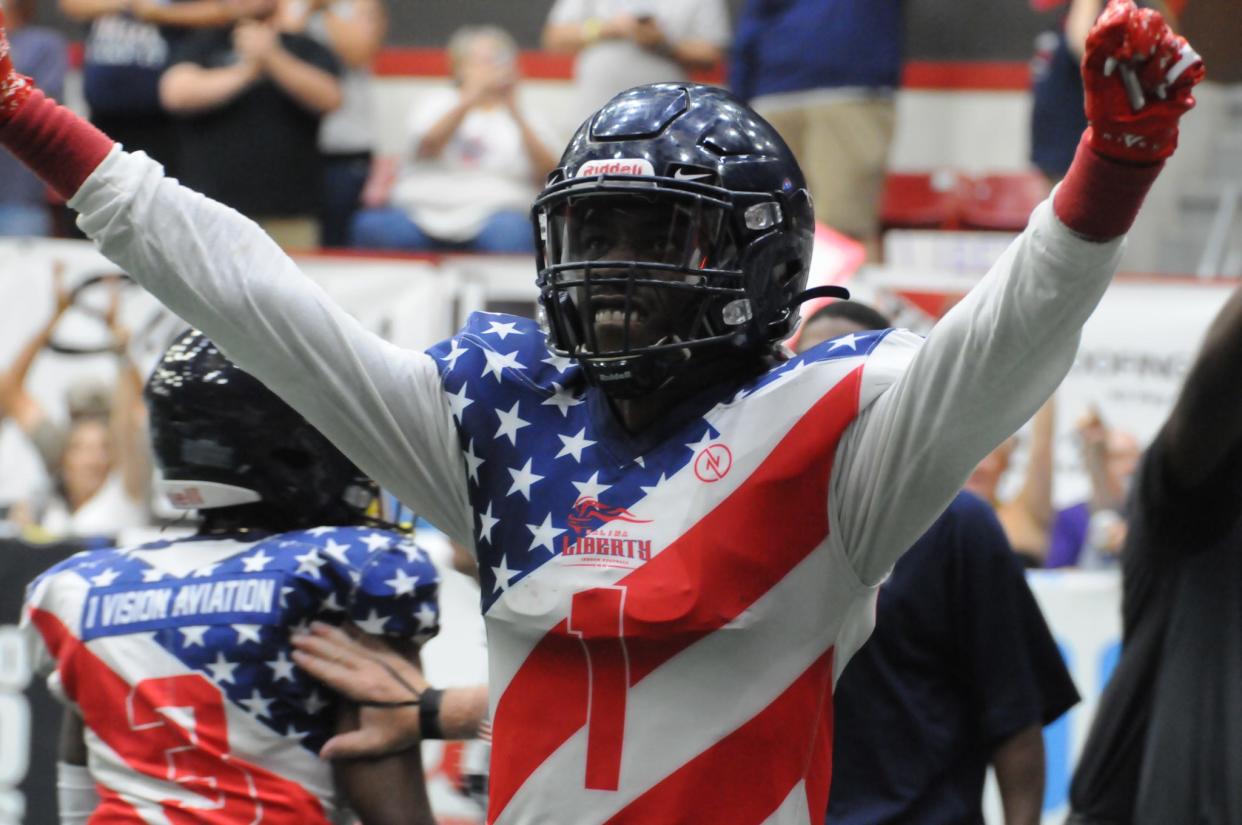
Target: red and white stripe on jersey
{"points": [[176, 728], [620, 694]]}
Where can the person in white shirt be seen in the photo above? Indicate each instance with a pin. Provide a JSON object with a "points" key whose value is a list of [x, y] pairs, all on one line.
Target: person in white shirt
{"points": [[476, 160], [624, 43]]}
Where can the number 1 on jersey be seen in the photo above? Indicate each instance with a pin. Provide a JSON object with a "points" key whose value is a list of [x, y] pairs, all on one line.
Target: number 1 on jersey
{"points": [[596, 617]]}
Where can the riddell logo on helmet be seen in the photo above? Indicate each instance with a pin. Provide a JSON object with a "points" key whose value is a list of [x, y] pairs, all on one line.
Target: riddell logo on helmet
{"points": [[616, 166], [186, 498]]}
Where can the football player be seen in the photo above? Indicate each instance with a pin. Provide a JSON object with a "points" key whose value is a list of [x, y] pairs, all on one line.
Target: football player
{"points": [[679, 537], [175, 655]]}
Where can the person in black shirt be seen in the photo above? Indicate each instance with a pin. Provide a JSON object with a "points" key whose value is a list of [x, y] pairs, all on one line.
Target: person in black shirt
{"points": [[961, 672], [250, 99], [1165, 747]]}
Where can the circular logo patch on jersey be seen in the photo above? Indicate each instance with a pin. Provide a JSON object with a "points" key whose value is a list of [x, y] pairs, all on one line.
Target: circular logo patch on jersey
{"points": [[713, 463]]}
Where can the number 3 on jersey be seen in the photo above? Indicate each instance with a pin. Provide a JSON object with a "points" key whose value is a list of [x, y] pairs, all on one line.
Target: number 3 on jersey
{"points": [[597, 618], [184, 717]]}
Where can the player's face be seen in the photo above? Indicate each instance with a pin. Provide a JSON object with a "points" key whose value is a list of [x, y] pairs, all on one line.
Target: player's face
{"points": [[627, 305], [87, 459]]}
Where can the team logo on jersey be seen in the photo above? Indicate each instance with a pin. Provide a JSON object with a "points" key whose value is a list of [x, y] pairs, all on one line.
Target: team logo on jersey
{"points": [[599, 532], [616, 166], [713, 463]]}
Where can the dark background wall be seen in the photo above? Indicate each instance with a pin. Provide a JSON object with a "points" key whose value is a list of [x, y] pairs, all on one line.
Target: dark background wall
{"points": [[936, 29]]}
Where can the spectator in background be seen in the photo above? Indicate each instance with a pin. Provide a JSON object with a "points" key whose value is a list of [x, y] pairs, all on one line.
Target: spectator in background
{"points": [[250, 99], [476, 160], [960, 673], [825, 73], [1165, 742], [625, 43], [97, 466], [1090, 534], [354, 31], [42, 54], [1027, 516], [127, 49], [1057, 116]]}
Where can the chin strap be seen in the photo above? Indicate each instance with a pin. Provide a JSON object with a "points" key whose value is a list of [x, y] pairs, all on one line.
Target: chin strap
{"points": [[814, 292]]}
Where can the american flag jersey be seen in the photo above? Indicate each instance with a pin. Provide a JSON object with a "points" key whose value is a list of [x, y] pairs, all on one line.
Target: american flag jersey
{"points": [[664, 617], [724, 632], [176, 653]]}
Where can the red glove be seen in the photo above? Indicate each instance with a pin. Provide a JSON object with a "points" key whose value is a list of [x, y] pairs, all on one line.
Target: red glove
{"points": [[14, 88], [1138, 77]]}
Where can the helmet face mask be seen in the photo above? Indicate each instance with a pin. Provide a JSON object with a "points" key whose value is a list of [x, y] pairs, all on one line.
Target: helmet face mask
{"points": [[640, 270], [676, 224]]}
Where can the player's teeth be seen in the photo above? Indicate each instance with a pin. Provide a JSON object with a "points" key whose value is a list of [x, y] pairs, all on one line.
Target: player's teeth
{"points": [[612, 316]]}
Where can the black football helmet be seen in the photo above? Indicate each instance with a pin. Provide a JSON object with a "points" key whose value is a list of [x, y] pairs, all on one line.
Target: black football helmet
{"points": [[223, 439], [677, 200]]}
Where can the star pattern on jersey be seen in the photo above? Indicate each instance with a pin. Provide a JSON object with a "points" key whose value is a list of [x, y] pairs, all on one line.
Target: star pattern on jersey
{"points": [[373, 623], [502, 574], [498, 362], [221, 669], [459, 402], [562, 400], [256, 563], [486, 522], [510, 423], [502, 330], [401, 583], [544, 534], [106, 578], [532, 449], [524, 479], [574, 444], [473, 462], [380, 580], [282, 667], [453, 354]]}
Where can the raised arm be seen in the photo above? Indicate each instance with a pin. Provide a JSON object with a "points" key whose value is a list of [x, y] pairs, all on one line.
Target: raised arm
{"points": [[997, 355], [312, 87], [575, 35], [357, 36], [1028, 515], [128, 416], [187, 88], [15, 401], [383, 406], [692, 53], [86, 10], [540, 157], [193, 14]]}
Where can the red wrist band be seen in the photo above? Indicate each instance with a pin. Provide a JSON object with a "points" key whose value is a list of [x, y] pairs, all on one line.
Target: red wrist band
{"points": [[1100, 198], [56, 144]]}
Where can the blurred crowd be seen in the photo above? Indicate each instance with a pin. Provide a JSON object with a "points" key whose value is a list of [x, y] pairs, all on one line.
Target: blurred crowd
{"points": [[270, 106], [192, 82]]}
